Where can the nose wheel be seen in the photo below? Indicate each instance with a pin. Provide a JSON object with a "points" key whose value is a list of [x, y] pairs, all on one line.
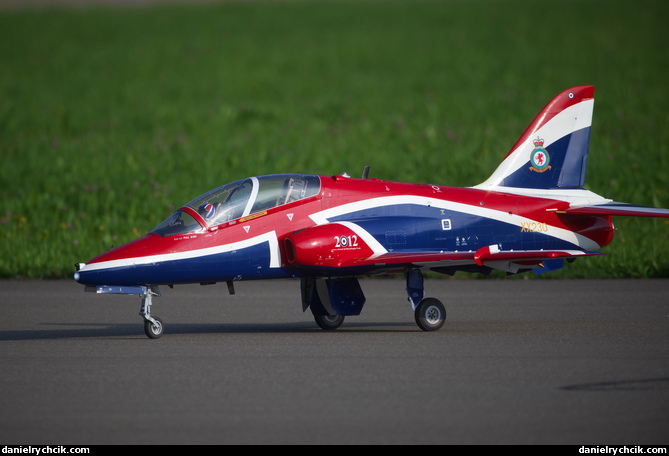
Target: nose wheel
{"points": [[154, 327]]}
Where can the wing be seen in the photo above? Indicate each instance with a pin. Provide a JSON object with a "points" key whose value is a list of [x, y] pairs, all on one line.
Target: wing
{"points": [[490, 256]]}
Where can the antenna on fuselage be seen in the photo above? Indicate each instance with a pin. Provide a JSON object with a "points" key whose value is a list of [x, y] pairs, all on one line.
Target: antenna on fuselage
{"points": [[365, 172]]}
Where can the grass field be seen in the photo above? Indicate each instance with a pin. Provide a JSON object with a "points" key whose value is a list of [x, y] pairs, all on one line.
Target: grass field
{"points": [[110, 118]]}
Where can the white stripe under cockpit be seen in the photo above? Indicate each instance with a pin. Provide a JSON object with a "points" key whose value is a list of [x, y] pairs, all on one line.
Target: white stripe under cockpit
{"points": [[275, 256]]}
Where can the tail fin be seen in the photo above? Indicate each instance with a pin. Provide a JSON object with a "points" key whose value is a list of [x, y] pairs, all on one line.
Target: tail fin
{"points": [[553, 151]]}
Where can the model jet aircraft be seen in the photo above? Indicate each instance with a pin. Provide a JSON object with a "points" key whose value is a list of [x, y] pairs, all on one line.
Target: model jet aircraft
{"points": [[530, 215]]}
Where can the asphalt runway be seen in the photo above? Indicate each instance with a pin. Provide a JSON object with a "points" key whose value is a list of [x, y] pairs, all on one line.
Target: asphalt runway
{"points": [[517, 362]]}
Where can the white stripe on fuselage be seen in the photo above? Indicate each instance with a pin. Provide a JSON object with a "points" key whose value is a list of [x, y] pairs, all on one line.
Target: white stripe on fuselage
{"points": [[270, 237], [324, 216]]}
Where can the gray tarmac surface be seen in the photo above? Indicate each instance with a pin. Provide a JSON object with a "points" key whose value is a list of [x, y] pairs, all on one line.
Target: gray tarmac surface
{"points": [[518, 362]]}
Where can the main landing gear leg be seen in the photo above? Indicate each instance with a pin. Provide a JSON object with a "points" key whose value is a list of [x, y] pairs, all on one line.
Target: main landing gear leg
{"points": [[429, 313], [153, 326]]}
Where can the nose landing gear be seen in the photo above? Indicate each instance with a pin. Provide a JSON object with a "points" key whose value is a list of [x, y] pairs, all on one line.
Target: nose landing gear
{"points": [[153, 326]]}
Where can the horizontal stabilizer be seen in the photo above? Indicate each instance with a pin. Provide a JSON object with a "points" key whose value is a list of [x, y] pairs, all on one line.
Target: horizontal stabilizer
{"points": [[615, 208]]}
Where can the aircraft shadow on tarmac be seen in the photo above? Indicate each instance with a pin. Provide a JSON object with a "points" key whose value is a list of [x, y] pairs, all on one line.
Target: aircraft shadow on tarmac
{"points": [[626, 385], [101, 330]]}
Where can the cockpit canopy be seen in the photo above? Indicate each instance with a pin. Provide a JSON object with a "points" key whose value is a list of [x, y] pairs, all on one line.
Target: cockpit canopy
{"points": [[239, 199]]}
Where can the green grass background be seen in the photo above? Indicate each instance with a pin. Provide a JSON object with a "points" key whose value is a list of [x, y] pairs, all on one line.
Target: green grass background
{"points": [[110, 118]]}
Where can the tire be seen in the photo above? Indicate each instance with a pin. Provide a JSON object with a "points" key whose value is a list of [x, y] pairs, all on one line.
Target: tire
{"points": [[430, 314], [329, 322], [154, 331]]}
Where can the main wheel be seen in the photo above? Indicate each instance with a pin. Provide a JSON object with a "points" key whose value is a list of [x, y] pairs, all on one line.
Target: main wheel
{"points": [[430, 314], [329, 322], [154, 330]]}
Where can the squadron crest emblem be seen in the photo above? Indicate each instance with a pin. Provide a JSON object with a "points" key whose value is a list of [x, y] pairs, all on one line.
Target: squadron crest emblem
{"points": [[539, 158]]}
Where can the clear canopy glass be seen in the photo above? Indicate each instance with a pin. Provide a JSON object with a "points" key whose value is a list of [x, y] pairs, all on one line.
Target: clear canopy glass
{"points": [[240, 199]]}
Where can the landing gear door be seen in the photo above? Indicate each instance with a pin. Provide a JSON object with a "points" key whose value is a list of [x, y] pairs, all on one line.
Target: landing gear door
{"points": [[335, 296]]}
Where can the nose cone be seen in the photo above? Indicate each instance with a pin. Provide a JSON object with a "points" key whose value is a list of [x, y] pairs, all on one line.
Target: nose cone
{"points": [[77, 267], [118, 266]]}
